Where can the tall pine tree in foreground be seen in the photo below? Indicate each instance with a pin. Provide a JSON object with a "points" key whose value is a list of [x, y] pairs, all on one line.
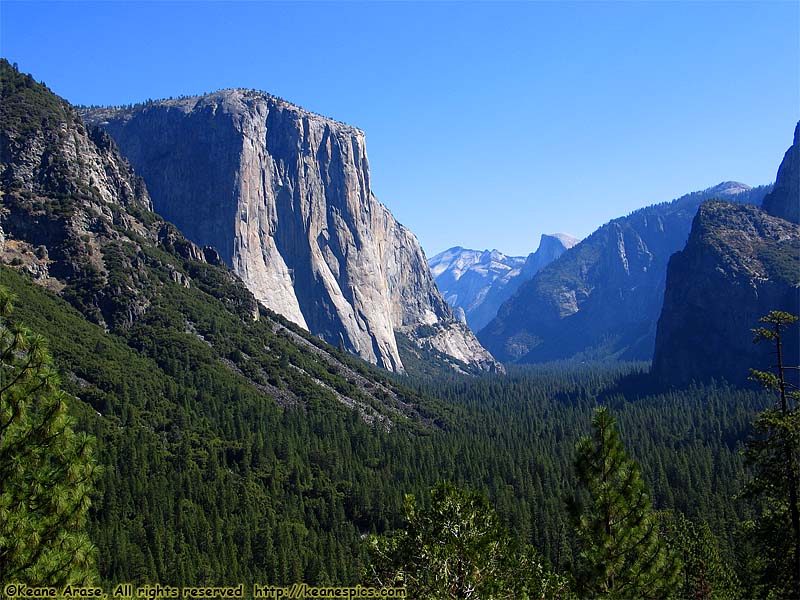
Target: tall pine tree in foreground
{"points": [[774, 454], [622, 554], [46, 469]]}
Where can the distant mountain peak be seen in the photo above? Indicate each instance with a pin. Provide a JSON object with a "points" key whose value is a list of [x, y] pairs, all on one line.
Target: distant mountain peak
{"points": [[567, 240], [730, 188], [601, 298], [478, 282], [495, 255]]}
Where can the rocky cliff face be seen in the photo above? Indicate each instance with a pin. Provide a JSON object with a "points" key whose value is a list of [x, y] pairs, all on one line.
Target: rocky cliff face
{"points": [[76, 218], [784, 200], [73, 213], [479, 282], [284, 195], [601, 299], [551, 246], [739, 264]]}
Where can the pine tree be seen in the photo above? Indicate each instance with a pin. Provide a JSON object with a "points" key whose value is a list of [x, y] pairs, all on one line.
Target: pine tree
{"points": [[46, 469], [774, 454], [459, 549], [622, 554]]}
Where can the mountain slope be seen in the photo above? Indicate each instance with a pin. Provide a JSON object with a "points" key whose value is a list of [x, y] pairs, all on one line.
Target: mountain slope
{"points": [[479, 282], [739, 264], [601, 299], [467, 278], [229, 454], [208, 408], [285, 196]]}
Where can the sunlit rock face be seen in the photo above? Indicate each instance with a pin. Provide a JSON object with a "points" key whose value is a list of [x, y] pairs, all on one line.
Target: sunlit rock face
{"points": [[284, 195]]}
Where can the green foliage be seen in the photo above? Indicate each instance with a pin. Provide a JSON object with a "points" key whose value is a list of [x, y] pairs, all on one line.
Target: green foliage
{"points": [[774, 455], [622, 552], [772, 530], [779, 320], [26, 106], [286, 480], [229, 454], [235, 487], [47, 471], [458, 549], [704, 573], [780, 259]]}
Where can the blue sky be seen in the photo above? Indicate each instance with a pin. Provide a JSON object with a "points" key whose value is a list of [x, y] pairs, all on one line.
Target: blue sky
{"points": [[487, 123]]}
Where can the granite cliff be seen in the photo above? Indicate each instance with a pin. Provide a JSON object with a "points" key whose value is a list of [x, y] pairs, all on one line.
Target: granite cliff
{"points": [[551, 246], [784, 199], [284, 196], [76, 220], [739, 264], [602, 297], [478, 282], [189, 387], [74, 215]]}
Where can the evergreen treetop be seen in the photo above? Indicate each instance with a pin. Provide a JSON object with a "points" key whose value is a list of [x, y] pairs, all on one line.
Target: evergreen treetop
{"points": [[774, 454], [622, 554]]}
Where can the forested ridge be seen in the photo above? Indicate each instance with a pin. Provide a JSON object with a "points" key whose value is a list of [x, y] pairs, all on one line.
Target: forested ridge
{"points": [[207, 481]]}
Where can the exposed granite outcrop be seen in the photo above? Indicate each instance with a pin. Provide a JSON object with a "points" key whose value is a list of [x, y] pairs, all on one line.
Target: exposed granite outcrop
{"points": [[784, 199], [73, 210], [551, 246], [76, 219], [453, 340], [285, 197], [739, 264], [479, 282]]}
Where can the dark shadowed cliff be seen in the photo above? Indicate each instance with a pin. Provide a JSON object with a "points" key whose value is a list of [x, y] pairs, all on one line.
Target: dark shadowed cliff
{"points": [[739, 264], [601, 299], [784, 200]]}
